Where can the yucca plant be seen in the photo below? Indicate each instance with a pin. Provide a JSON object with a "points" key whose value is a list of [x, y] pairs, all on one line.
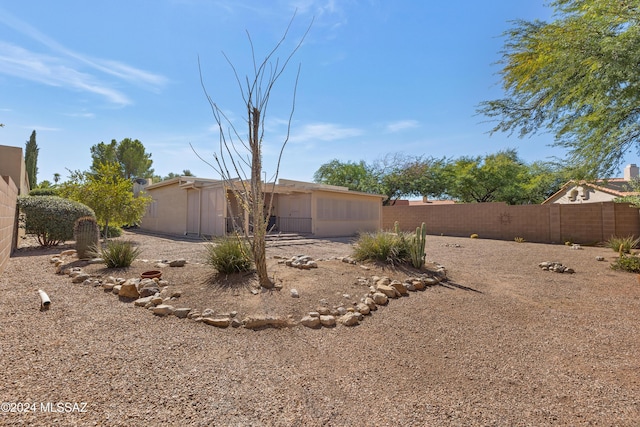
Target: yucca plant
{"points": [[230, 254], [119, 253]]}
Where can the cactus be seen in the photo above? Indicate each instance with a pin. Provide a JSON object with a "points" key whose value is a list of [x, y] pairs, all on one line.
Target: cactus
{"points": [[87, 235], [418, 245], [396, 227]]}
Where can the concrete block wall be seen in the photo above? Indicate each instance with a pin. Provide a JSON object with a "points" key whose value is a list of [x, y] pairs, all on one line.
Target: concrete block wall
{"points": [[8, 224], [553, 223]]}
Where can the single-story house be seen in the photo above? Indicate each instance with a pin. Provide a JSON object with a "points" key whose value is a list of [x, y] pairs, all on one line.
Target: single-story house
{"points": [[198, 206], [574, 192]]}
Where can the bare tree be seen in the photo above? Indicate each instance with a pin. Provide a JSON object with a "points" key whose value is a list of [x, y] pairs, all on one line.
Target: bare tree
{"points": [[238, 153]]}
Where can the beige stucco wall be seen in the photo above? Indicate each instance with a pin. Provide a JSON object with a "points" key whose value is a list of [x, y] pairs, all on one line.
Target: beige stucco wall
{"points": [[584, 194], [336, 214], [12, 164], [168, 211]]}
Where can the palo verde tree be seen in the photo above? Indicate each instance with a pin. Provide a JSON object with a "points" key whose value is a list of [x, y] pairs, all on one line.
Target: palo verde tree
{"points": [[129, 154], [576, 77], [237, 153], [31, 151], [109, 194]]}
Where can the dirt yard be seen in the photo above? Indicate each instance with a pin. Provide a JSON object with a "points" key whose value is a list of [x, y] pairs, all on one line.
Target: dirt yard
{"points": [[501, 343]]}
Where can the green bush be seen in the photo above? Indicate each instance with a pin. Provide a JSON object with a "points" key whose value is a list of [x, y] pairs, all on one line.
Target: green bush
{"points": [[627, 263], [229, 255], [119, 253], [51, 218], [44, 192], [624, 244], [113, 232], [382, 246]]}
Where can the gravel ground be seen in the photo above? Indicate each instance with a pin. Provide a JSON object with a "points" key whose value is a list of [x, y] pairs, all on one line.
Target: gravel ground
{"points": [[503, 343]]}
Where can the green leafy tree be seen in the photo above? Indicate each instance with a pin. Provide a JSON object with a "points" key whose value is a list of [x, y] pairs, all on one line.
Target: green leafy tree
{"points": [[634, 186], [495, 178], [130, 155], [576, 77], [31, 160], [109, 194], [171, 175], [355, 176], [407, 176]]}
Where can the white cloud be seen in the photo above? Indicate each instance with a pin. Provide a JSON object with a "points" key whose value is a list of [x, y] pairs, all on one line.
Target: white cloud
{"points": [[323, 132], [401, 125], [65, 68]]}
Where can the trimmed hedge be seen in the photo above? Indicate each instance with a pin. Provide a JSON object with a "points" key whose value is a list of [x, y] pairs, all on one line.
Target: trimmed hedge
{"points": [[44, 192], [51, 218]]}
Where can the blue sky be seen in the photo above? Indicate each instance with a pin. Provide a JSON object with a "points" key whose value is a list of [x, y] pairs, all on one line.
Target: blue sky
{"points": [[377, 77]]}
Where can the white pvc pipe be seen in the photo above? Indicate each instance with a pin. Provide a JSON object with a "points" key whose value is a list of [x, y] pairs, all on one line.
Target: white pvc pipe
{"points": [[44, 299]]}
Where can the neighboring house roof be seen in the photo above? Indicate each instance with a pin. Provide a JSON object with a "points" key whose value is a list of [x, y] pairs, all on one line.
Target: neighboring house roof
{"points": [[614, 187]]}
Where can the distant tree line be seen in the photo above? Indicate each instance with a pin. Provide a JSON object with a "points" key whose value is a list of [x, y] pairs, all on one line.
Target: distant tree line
{"points": [[498, 177]]}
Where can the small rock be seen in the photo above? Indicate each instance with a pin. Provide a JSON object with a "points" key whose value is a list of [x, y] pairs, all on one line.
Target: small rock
{"points": [[363, 308], [129, 290], [599, 258], [236, 323], [80, 277], [178, 263], [181, 313], [162, 310], [370, 303], [389, 291], [350, 319], [431, 281], [156, 300], [220, 322], [399, 286], [341, 311], [323, 311], [314, 314], [208, 312], [379, 298], [327, 320], [161, 265], [410, 287], [141, 302], [256, 322], [116, 289], [294, 293], [68, 252], [311, 322]]}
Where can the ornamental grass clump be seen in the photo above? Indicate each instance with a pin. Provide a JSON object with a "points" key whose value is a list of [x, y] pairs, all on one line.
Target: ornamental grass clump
{"points": [[119, 253], [387, 247], [230, 254]]}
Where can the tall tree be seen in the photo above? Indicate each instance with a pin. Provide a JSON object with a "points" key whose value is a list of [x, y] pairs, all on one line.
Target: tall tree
{"points": [[237, 153], [576, 77], [494, 178], [130, 156], [31, 151]]}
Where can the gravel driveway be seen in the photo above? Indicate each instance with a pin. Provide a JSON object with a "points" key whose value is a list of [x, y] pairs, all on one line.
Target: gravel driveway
{"points": [[502, 344]]}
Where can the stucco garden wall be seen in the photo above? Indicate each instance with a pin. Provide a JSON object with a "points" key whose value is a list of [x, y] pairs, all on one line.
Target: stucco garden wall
{"points": [[8, 220], [552, 223]]}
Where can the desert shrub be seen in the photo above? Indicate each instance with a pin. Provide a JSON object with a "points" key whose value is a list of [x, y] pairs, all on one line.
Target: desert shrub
{"points": [[119, 253], [112, 232], [44, 192], [474, 236], [622, 244], [51, 218], [519, 239], [382, 246], [627, 263], [229, 254]]}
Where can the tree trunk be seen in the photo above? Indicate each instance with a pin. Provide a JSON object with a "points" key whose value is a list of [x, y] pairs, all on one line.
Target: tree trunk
{"points": [[258, 245]]}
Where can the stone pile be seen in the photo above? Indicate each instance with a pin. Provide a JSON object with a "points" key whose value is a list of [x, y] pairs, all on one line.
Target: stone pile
{"points": [[556, 267], [303, 262]]}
